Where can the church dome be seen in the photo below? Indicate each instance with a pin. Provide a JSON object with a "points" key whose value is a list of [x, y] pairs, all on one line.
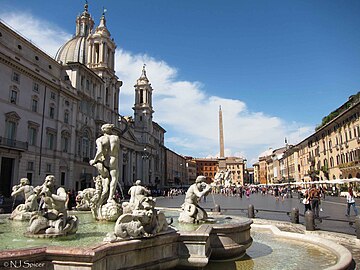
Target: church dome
{"points": [[73, 51]]}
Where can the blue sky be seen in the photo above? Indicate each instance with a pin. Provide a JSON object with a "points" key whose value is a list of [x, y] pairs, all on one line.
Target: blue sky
{"points": [[275, 67]]}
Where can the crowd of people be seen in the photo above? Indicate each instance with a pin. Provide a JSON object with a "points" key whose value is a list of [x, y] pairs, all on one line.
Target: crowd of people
{"points": [[310, 197]]}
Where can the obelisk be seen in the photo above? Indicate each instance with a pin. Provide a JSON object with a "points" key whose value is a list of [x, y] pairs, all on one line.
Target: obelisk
{"points": [[222, 159]]}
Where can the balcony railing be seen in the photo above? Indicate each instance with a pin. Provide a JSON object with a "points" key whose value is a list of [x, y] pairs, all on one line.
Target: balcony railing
{"points": [[14, 144], [349, 164]]}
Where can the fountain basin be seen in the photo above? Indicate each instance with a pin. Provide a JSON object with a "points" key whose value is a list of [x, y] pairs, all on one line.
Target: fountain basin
{"points": [[214, 242], [165, 250], [191, 247]]}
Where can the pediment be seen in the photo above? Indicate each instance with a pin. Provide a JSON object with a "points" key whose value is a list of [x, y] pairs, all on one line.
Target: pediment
{"points": [[12, 116], [129, 135]]}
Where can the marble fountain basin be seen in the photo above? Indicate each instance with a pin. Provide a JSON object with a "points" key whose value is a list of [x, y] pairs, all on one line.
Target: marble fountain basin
{"points": [[188, 246]]}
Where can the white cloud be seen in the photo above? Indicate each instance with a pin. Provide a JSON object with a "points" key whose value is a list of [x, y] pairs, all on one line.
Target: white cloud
{"points": [[43, 34], [183, 108], [192, 117]]}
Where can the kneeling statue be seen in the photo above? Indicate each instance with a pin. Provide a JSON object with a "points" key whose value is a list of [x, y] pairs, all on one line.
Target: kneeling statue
{"points": [[191, 210]]}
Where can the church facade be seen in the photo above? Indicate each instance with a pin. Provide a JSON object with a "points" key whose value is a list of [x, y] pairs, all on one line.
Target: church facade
{"points": [[51, 111]]}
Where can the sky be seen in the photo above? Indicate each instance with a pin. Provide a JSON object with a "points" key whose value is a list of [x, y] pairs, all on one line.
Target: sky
{"points": [[276, 68]]}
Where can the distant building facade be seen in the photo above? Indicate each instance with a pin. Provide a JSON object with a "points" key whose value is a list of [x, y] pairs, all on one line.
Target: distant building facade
{"points": [[207, 167], [331, 152], [176, 170], [236, 166], [191, 169]]}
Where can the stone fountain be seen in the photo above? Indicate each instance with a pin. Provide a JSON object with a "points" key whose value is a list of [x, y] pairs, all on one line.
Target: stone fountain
{"points": [[224, 241], [142, 237]]}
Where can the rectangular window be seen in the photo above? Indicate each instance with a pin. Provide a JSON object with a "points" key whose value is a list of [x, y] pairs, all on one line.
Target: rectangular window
{"points": [[66, 117], [52, 95], [13, 96], [30, 166], [34, 105], [62, 179], [29, 177], [48, 167], [65, 144], [36, 87], [16, 77], [32, 136], [10, 130], [52, 112], [85, 147], [107, 96], [50, 141]]}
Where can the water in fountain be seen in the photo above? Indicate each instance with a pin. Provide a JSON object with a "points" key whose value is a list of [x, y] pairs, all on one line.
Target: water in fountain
{"points": [[265, 248]]}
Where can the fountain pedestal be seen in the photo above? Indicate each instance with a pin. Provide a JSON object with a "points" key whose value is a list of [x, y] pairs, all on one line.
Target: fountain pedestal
{"points": [[214, 242]]}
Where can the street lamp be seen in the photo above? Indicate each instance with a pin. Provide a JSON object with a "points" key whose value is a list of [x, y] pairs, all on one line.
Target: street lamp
{"points": [[145, 157]]}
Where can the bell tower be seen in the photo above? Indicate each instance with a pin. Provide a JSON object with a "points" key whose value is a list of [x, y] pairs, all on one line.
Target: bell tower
{"points": [[101, 50], [84, 23], [100, 59], [143, 110]]}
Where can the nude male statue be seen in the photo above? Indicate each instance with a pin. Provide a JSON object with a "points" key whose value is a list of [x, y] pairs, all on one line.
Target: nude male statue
{"points": [[107, 148]]}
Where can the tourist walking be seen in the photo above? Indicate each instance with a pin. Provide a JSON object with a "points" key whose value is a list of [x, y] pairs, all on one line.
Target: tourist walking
{"points": [[306, 201], [315, 200], [276, 193], [350, 199], [247, 193]]}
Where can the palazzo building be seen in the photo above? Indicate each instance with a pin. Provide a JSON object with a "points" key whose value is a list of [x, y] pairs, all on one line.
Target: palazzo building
{"points": [[51, 111], [331, 152]]}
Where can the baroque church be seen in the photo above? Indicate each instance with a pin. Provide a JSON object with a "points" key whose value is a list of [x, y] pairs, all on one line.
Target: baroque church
{"points": [[52, 110]]}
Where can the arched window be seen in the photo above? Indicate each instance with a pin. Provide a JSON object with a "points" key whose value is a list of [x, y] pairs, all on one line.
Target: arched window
{"points": [[331, 162], [342, 158], [351, 156]]}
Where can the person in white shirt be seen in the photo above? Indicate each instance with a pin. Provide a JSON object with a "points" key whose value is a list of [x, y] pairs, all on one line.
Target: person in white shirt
{"points": [[350, 199]]}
